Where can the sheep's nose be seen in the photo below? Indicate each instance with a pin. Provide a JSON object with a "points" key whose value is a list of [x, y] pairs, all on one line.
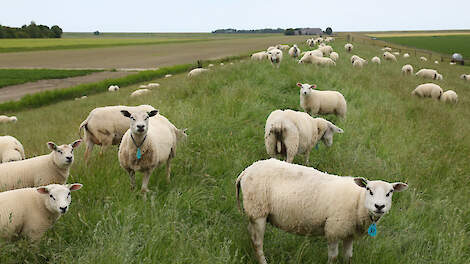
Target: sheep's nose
{"points": [[69, 158], [379, 207], [63, 209], [305, 92], [140, 127]]}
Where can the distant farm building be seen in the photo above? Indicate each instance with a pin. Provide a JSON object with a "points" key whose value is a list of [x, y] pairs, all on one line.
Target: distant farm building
{"points": [[308, 31]]}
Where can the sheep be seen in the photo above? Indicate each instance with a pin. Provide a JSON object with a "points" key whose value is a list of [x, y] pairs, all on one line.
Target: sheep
{"points": [[354, 57], [436, 62], [294, 51], [359, 63], [396, 53], [465, 77], [139, 92], [81, 98], [282, 47], [275, 57], [262, 55], [150, 85], [290, 133], [407, 69], [452, 63], [210, 65], [406, 55], [348, 47], [423, 58], [30, 212], [334, 56], [387, 49], [113, 88], [321, 102], [221, 64], [309, 58], [41, 170], [316, 52], [389, 56], [147, 144], [142, 86], [439, 77], [168, 75], [428, 90], [105, 126], [326, 50], [196, 72], [10, 149], [271, 48], [449, 96], [306, 201], [376, 60], [8, 119], [428, 73]]}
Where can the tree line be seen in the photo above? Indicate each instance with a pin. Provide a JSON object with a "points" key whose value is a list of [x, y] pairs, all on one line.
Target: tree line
{"points": [[31, 31], [264, 30]]}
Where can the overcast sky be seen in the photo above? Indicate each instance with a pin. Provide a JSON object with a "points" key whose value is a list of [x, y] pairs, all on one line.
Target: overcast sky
{"points": [[207, 15]]}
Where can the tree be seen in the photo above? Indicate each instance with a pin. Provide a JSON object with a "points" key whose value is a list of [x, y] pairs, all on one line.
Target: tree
{"points": [[289, 32], [57, 31], [329, 31]]}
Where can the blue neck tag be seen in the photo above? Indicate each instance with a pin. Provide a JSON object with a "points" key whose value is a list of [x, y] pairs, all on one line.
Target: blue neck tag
{"points": [[372, 231], [316, 146], [139, 154]]}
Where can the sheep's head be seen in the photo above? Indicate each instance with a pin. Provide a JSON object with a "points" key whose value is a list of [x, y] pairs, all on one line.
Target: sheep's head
{"points": [[330, 131], [13, 119], [306, 89], [275, 55], [63, 155], [139, 121], [59, 196], [11, 155], [378, 198]]}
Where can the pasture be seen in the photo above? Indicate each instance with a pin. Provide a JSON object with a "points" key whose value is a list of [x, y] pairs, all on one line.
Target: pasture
{"points": [[19, 76], [389, 135]]}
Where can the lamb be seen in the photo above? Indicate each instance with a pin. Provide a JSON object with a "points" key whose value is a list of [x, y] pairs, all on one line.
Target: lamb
{"points": [[321, 102], [294, 51], [389, 56], [428, 90], [317, 60], [305, 201], [428, 73], [113, 88], [8, 119], [465, 77], [39, 208], [376, 60], [139, 92], [326, 50], [10, 149], [423, 58], [306, 56], [290, 133], [275, 57], [147, 144], [406, 55], [407, 69], [348, 47], [196, 72], [262, 55], [449, 96], [42, 170], [334, 56]]}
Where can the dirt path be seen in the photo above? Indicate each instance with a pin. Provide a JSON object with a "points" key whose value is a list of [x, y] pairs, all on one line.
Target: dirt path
{"points": [[15, 92]]}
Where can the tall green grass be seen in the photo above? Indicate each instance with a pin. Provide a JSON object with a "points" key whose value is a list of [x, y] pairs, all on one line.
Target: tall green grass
{"points": [[19, 76], [389, 135]]}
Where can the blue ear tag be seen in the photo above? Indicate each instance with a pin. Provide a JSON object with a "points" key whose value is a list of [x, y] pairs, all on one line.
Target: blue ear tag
{"points": [[316, 146], [372, 231], [139, 154]]}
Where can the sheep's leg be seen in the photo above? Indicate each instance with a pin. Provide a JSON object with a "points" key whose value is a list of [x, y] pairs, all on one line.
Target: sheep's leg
{"points": [[256, 228], [88, 150], [307, 156], [348, 249], [145, 181], [168, 170], [132, 178], [332, 251]]}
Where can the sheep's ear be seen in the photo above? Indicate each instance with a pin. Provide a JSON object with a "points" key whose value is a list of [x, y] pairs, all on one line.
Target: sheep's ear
{"points": [[51, 145], [299, 84], [42, 190], [152, 113], [75, 186], [184, 131], [125, 113], [76, 143], [361, 182], [336, 129], [313, 86], [399, 186]]}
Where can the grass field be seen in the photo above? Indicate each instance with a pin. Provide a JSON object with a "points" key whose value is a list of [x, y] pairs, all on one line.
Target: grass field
{"points": [[389, 135], [19, 76], [381, 34]]}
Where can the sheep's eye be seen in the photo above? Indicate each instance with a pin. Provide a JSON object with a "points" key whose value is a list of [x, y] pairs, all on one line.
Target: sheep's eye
{"points": [[132, 118], [60, 151], [146, 118], [50, 195], [68, 194], [371, 193]]}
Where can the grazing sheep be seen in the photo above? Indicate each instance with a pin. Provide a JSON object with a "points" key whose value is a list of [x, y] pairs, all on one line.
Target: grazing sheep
{"points": [[262, 55], [428, 73], [439, 77], [334, 56], [113, 88], [348, 47], [282, 47], [30, 212], [306, 55], [321, 102], [387, 49], [407, 69], [406, 55], [354, 57], [139, 92], [452, 63], [449, 96], [275, 57], [147, 144], [105, 126], [271, 48], [289, 133], [42, 170], [210, 65], [151, 85], [465, 77], [196, 72], [6, 119], [294, 51], [423, 58], [359, 63], [326, 50], [309, 58], [168, 75], [375, 60], [389, 56], [396, 53], [81, 98], [10, 149], [436, 62], [305, 201], [428, 90]]}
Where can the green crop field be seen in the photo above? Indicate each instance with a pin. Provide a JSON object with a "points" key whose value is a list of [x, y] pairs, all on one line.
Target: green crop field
{"points": [[19, 76], [441, 44], [388, 135]]}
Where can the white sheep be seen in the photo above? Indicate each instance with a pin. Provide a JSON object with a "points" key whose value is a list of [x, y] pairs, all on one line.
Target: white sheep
{"points": [[8, 119], [168, 75], [449, 96], [142, 86], [262, 55], [139, 92], [81, 98], [465, 77], [452, 63], [10, 149], [305, 201], [30, 212], [376, 60], [294, 51], [321, 102], [271, 48], [282, 47], [406, 55], [151, 85], [319, 61], [407, 69], [307, 56], [387, 49], [147, 144], [41, 170], [436, 62], [389, 56], [334, 56], [275, 57], [326, 50], [113, 88], [428, 73], [354, 57], [289, 133], [359, 63], [428, 90], [196, 72], [348, 47], [210, 65], [396, 53], [439, 77], [423, 58]]}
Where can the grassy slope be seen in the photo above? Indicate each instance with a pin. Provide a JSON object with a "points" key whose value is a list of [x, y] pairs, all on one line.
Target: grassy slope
{"points": [[441, 44], [388, 135], [19, 76]]}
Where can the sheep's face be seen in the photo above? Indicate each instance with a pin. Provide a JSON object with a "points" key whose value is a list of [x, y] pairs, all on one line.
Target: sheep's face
{"points": [[275, 55], [11, 155], [59, 196], [331, 129], [306, 89], [63, 155], [378, 197], [139, 121]]}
